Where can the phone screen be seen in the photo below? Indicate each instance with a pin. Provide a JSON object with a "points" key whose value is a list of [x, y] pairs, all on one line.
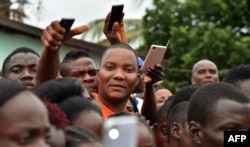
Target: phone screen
{"points": [[116, 15]]}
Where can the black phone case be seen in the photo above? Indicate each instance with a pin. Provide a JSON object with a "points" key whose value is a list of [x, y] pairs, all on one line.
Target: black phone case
{"points": [[116, 15], [66, 23]]}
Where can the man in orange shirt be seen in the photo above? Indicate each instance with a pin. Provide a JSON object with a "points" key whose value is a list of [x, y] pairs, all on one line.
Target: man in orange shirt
{"points": [[117, 78]]}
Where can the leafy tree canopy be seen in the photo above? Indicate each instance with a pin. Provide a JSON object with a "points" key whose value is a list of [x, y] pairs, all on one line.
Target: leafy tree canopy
{"points": [[218, 30]]}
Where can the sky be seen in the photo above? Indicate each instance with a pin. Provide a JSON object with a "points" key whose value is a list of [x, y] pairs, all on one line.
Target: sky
{"points": [[84, 11]]}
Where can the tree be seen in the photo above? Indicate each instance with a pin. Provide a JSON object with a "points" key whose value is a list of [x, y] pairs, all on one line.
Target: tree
{"points": [[16, 13], [133, 29], [218, 30]]}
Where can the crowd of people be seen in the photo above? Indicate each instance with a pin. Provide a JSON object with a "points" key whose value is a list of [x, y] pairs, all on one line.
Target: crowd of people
{"points": [[45, 102]]}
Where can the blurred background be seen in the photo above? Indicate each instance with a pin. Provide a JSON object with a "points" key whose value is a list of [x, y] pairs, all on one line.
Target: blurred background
{"points": [[218, 30]]}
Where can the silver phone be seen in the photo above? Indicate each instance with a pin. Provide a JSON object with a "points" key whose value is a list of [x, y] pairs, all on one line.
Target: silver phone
{"points": [[120, 131]]}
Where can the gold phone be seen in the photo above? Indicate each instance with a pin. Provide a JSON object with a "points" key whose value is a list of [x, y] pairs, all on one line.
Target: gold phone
{"points": [[155, 56]]}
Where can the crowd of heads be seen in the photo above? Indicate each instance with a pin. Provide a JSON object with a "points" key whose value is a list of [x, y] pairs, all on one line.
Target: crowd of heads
{"points": [[75, 109]]}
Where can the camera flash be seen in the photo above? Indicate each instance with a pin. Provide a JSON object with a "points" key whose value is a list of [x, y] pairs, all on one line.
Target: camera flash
{"points": [[113, 133]]}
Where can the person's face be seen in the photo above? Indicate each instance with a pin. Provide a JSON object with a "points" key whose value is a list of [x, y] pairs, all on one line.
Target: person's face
{"points": [[161, 132], [228, 116], [129, 108], [56, 137], [92, 121], [22, 68], [145, 137], [24, 122], [83, 70], [204, 72], [118, 75], [161, 96]]}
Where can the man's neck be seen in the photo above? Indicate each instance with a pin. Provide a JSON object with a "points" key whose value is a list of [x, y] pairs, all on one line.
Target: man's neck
{"points": [[115, 106]]}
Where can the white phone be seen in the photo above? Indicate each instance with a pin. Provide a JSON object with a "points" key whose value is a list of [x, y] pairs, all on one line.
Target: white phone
{"points": [[120, 131], [155, 56]]}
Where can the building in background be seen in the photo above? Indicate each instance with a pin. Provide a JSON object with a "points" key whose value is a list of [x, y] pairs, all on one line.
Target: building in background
{"points": [[15, 34]]}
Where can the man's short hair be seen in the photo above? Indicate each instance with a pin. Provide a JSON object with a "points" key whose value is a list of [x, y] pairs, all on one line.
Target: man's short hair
{"points": [[198, 62], [183, 95], [177, 114], [72, 56], [204, 100], [121, 45], [16, 51], [237, 74]]}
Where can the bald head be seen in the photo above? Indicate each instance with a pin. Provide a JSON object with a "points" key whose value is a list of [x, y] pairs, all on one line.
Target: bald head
{"points": [[204, 72]]}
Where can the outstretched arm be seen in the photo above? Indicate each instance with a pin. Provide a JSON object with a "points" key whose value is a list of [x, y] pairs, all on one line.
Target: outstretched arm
{"points": [[49, 62], [153, 75]]}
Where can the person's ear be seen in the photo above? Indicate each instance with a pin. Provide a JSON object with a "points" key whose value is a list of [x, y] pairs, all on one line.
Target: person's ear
{"points": [[139, 78], [175, 130], [195, 132]]}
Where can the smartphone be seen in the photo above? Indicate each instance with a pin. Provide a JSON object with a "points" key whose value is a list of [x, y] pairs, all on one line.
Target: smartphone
{"points": [[120, 131], [155, 56], [66, 23], [115, 16]]}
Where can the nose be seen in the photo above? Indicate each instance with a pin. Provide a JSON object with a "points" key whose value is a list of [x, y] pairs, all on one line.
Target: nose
{"points": [[87, 78], [119, 74], [27, 75], [208, 74]]}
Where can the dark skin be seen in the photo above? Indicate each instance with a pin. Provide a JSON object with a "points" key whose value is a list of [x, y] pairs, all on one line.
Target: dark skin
{"points": [[228, 115], [153, 74], [22, 68], [49, 63]]}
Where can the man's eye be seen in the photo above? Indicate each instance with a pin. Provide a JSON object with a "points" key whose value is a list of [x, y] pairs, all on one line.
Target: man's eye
{"points": [[201, 71], [213, 71], [233, 129], [109, 67], [129, 70], [78, 74], [17, 71]]}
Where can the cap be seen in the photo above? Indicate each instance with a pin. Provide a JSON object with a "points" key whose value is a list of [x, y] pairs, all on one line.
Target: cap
{"points": [[140, 62]]}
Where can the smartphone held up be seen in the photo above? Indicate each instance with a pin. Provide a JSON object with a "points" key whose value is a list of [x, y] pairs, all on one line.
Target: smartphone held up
{"points": [[155, 56], [66, 23], [115, 16]]}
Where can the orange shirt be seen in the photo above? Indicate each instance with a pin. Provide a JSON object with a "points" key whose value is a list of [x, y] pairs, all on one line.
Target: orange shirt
{"points": [[106, 112]]}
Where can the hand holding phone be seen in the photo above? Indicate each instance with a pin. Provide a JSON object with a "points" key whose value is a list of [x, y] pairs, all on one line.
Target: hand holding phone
{"points": [[115, 16], [155, 56], [66, 23]]}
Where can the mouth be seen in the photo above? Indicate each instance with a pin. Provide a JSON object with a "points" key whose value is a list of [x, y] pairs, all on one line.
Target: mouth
{"points": [[208, 82], [28, 85], [117, 86]]}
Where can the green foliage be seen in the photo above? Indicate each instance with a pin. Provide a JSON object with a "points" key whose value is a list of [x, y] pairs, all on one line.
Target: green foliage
{"points": [[218, 30], [133, 29]]}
